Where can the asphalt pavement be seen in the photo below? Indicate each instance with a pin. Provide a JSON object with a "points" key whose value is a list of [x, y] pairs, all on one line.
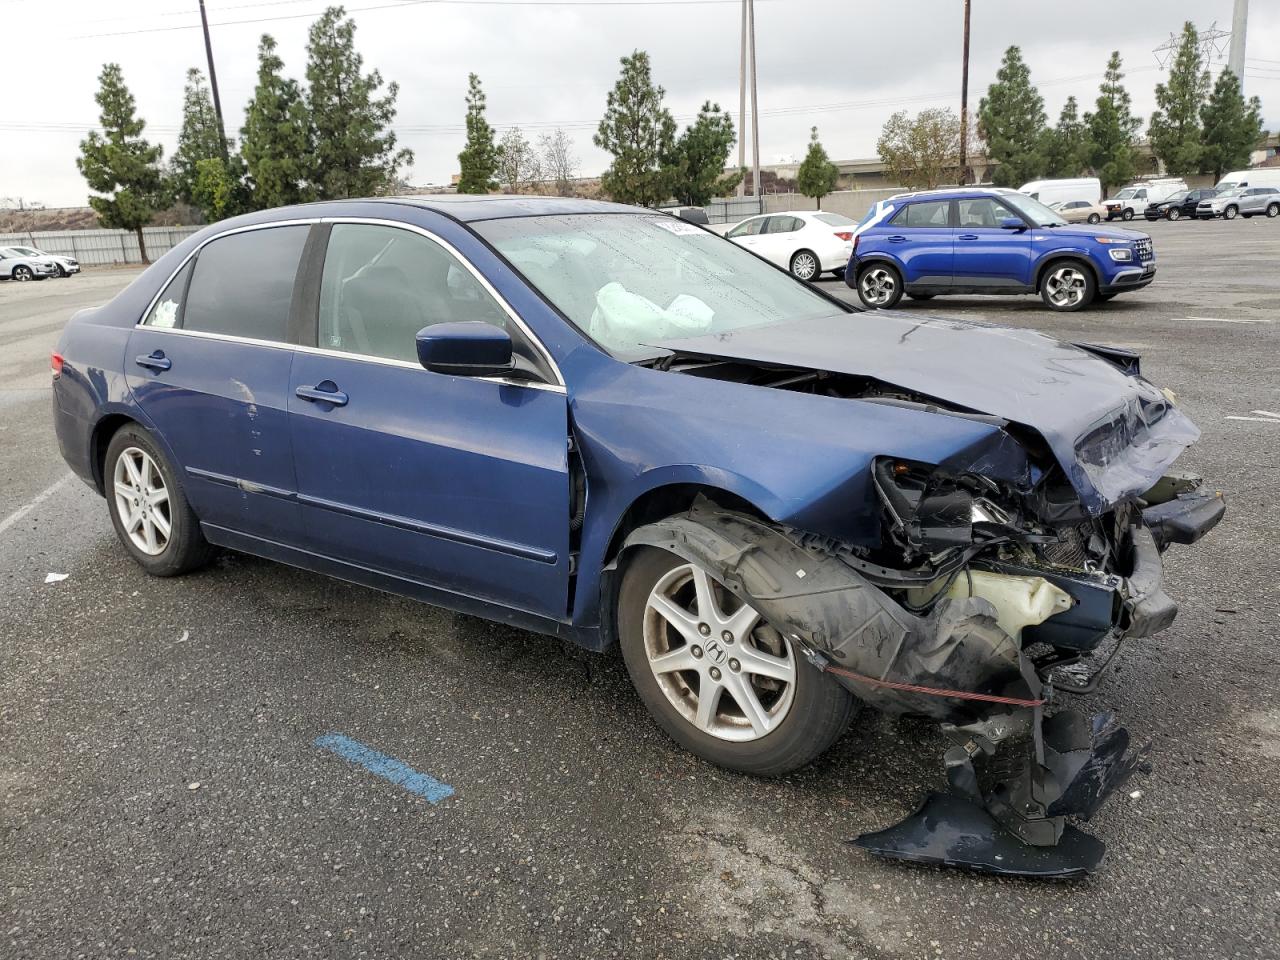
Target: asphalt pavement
{"points": [[170, 785]]}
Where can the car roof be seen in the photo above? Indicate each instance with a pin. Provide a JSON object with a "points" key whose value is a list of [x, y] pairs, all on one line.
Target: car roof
{"points": [[946, 193], [498, 206]]}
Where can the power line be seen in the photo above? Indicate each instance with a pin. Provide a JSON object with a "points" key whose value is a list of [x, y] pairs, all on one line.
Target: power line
{"points": [[564, 4]]}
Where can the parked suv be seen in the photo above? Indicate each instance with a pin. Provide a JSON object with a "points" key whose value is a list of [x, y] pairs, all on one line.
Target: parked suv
{"points": [[1242, 201], [1182, 204], [989, 240]]}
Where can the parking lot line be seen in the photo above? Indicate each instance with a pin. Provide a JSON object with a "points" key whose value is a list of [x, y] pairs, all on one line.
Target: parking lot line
{"points": [[389, 768], [34, 502], [1227, 319]]}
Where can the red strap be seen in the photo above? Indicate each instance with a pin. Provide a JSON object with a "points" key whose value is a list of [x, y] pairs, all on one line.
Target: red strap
{"points": [[933, 691]]}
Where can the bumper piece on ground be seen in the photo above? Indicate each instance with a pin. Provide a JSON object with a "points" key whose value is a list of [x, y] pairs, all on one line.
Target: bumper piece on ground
{"points": [[950, 831]]}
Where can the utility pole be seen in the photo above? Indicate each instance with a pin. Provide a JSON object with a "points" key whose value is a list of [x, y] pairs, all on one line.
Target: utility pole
{"points": [[1239, 29], [742, 103], [964, 100], [213, 81], [755, 113]]}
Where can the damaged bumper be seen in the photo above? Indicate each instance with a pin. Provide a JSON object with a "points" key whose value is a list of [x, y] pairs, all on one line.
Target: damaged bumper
{"points": [[1017, 772]]}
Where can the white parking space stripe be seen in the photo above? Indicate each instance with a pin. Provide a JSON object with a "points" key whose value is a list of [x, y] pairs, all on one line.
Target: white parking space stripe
{"points": [[34, 502]]}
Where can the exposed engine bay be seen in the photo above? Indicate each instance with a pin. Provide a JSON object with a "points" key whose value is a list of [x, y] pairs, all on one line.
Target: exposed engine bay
{"points": [[985, 598]]}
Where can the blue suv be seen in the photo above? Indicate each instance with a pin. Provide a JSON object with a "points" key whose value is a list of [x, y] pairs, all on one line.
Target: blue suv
{"points": [[991, 241]]}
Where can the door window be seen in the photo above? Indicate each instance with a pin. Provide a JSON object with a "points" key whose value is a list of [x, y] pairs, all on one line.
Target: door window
{"points": [[932, 213], [242, 284], [983, 212], [748, 228], [783, 225], [381, 285]]}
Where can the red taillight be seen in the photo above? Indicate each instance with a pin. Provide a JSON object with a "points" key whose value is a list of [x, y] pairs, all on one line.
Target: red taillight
{"points": [[845, 235], [55, 364]]}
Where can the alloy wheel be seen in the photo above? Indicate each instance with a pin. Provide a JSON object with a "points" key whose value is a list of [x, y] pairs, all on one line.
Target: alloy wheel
{"points": [[877, 285], [142, 501], [22, 274], [1066, 286], [719, 664], [1174, 213], [804, 265]]}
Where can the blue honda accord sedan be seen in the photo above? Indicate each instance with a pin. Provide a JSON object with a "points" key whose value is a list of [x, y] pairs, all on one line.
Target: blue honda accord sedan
{"points": [[610, 425]]}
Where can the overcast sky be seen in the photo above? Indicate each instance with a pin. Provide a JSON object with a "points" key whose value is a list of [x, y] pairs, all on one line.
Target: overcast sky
{"points": [[843, 65]]}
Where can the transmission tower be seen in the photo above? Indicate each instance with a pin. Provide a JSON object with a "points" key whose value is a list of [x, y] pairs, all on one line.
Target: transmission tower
{"points": [[1212, 46]]}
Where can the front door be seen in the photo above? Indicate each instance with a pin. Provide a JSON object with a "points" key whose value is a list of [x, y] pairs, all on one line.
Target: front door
{"points": [[459, 483], [989, 256], [209, 366]]}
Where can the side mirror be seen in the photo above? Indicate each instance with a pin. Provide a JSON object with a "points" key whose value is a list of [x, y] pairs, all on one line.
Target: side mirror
{"points": [[1012, 223], [471, 348]]}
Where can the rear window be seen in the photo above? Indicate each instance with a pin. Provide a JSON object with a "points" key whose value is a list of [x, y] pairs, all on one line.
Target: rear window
{"points": [[243, 284], [933, 213], [834, 219]]}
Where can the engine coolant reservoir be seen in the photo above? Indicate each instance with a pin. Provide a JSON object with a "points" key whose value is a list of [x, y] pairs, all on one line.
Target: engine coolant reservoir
{"points": [[1019, 601]]}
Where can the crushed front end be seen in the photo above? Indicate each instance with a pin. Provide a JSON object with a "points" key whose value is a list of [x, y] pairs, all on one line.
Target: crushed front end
{"points": [[982, 608]]}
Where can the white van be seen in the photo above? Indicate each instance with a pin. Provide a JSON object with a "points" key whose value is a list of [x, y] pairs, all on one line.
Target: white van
{"points": [[1135, 198], [1261, 177], [1056, 191]]}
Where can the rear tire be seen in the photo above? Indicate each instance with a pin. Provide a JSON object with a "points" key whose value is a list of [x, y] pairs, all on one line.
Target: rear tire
{"points": [[808, 719], [1094, 218], [805, 265], [1273, 210], [921, 296], [160, 530], [879, 286], [1067, 286]]}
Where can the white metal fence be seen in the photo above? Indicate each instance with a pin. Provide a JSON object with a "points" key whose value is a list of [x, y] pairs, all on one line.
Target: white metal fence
{"points": [[100, 247]]}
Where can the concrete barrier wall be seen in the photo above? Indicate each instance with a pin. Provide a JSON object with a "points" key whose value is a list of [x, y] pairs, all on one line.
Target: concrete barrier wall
{"points": [[851, 203]]}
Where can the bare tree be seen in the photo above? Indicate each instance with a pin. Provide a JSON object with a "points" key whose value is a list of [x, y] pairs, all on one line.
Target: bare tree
{"points": [[559, 165], [923, 151], [518, 163]]}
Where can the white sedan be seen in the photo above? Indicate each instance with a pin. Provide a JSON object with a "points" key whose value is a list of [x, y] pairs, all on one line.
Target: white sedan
{"points": [[808, 243]]}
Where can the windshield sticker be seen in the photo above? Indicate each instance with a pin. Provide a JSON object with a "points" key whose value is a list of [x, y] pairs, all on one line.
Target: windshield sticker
{"points": [[679, 227]]}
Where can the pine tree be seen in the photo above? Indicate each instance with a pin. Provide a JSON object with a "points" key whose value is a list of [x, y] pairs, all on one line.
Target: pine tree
{"points": [[640, 133], [119, 161], [479, 158], [1232, 127], [275, 139], [1174, 130], [1011, 120], [817, 174], [1111, 130], [354, 149], [1067, 144], [697, 162], [199, 138]]}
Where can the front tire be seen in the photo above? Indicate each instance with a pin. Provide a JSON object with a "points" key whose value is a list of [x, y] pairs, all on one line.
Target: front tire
{"points": [[879, 286], [805, 265], [1173, 214], [1067, 286], [22, 273], [62, 271], [148, 507], [717, 678], [1231, 212], [1127, 215]]}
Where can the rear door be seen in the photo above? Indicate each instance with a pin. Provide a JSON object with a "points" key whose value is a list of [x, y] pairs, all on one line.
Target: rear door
{"points": [[209, 366], [987, 254], [778, 240], [922, 238], [461, 483]]}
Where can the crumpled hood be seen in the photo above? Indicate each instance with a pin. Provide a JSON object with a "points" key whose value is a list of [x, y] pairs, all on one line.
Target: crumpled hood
{"points": [[1114, 434]]}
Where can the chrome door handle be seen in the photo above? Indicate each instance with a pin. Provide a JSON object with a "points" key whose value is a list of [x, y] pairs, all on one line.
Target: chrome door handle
{"points": [[967, 236], [896, 239], [317, 395], [156, 360]]}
